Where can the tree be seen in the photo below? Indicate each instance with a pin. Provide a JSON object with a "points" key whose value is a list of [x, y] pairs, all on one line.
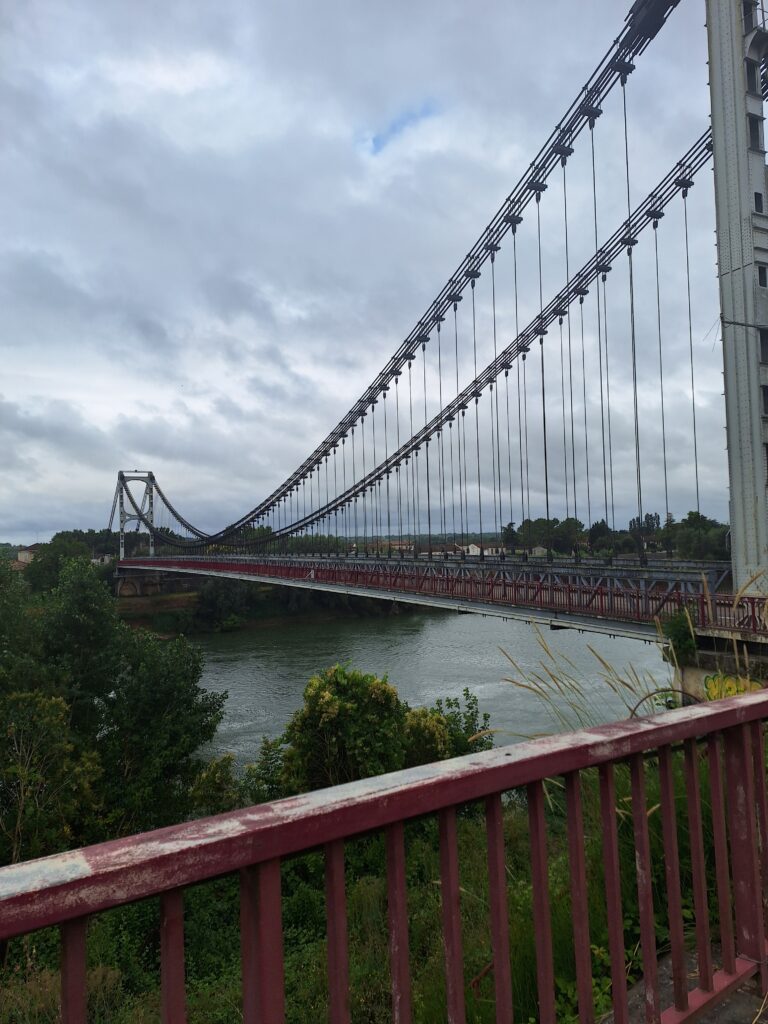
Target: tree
{"points": [[349, 727], [43, 571], [536, 532], [80, 635], [599, 534], [509, 536], [566, 536], [153, 723], [46, 787]]}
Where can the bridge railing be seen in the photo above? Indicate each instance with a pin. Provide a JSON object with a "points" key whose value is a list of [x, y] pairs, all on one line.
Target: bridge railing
{"points": [[742, 614], [718, 749]]}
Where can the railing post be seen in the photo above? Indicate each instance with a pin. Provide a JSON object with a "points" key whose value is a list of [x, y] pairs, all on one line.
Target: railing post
{"points": [[451, 913], [747, 891], [497, 898], [645, 890], [545, 971], [173, 1000], [338, 951], [397, 914], [613, 893], [74, 991], [261, 944]]}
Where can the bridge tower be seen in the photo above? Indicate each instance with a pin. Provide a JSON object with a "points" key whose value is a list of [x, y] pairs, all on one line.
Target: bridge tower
{"points": [[737, 44], [147, 506]]}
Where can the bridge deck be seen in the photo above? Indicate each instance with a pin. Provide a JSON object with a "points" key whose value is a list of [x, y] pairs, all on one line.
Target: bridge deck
{"points": [[618, 600]]}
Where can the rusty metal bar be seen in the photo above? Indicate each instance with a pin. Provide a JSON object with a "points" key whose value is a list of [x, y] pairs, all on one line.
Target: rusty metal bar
{"points": [[542, 918], [497, 897], [173, 1002], [698, 866], [613, 894], [720, 844], [645, 890], [261, 943], [397, 916], [747, 890], [672, 871], [579, 900], [451, 911], [74, 991], [338, 952], [758, 755]]}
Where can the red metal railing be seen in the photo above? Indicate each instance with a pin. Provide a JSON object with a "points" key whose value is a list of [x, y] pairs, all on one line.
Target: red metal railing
{"points": [[741, 616], [726, 737]]}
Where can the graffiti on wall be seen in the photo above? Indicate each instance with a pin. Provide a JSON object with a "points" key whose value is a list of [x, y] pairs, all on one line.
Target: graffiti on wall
{"points": [[721, 684]]}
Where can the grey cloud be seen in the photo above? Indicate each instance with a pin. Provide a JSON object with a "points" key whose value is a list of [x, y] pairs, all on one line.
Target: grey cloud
{"points": [[232, 263]]}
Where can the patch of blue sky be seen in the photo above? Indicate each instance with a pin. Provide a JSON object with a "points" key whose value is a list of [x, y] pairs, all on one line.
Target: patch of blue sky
{"points": [[404, 120]]}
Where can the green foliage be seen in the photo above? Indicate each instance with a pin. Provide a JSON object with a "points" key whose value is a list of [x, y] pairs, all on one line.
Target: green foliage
{"points": [[696, 536], [108, 719], [677, 630], [42, 573], [149, 771], [599, 534], [350, 727], [45, 785], [467, 731], [80, 628]]}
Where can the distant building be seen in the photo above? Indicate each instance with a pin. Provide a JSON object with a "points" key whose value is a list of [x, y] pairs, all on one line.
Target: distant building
{"points": [[26, 555], [539, 551], [473, 550]]}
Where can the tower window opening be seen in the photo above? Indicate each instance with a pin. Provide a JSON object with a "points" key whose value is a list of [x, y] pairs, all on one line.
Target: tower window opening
{"points": [[764, 390], [755, 141], [762, 275], [764, 346], [758, 202], [753, 78]]}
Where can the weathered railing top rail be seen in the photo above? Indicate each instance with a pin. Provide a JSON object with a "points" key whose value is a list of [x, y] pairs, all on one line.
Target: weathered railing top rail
{"points": [[67, 888]]}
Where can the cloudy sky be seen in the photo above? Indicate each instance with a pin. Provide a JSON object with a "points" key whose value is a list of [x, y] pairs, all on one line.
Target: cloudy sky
{"points": [[219, 220]]}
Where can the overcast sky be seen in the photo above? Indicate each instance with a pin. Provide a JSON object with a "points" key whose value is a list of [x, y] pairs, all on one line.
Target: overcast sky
{"points": [[219, 220]]}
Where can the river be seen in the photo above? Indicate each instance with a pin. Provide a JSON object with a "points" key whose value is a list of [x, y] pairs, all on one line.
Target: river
{"points": [[425, 655]]}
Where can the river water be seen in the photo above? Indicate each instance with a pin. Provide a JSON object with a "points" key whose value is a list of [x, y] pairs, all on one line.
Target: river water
{"points": [[426, 655]]}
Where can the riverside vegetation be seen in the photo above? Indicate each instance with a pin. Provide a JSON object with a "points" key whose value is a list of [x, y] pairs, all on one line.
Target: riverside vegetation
{"points": [[77, 689]]}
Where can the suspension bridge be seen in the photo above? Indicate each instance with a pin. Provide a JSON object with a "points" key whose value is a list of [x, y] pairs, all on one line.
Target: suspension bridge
{"points": [[414, 494], [409, 496]]}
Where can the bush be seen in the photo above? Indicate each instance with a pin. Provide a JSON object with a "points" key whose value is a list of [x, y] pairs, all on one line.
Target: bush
{"points": [[677, 630], [350, 727]]}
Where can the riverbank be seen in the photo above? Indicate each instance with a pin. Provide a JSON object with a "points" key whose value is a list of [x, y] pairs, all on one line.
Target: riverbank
{"points": [[225, 606]]}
